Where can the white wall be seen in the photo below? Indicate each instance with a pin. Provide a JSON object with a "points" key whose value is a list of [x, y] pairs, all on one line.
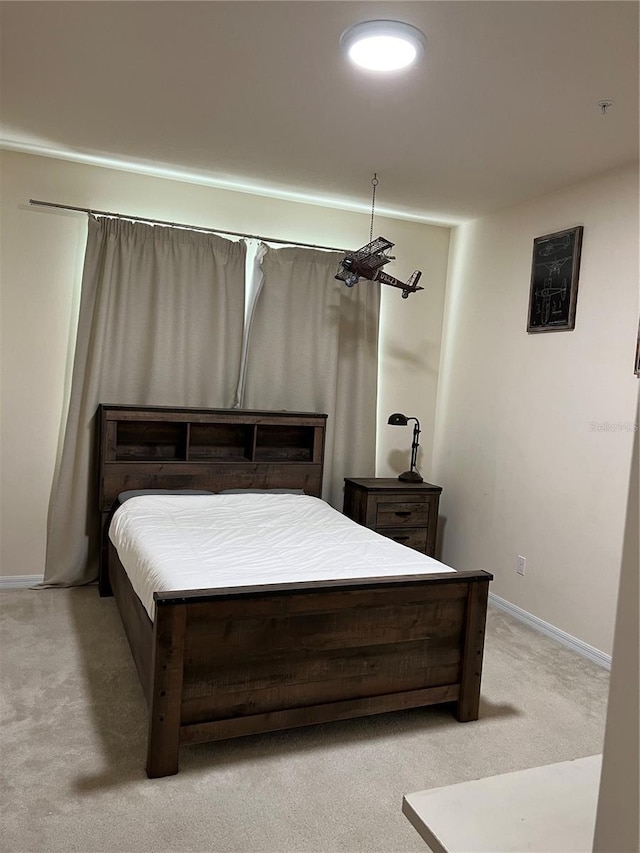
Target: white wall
{"points": [[534, 432], [42, 253], [618, 822]]}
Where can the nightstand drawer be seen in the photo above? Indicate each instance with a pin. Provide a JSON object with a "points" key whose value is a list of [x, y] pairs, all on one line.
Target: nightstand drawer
{"points": [[412, 537], [402, 513]]}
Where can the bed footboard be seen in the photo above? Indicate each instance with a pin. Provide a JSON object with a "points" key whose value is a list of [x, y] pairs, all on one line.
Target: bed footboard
{"points": [[233, 662]]}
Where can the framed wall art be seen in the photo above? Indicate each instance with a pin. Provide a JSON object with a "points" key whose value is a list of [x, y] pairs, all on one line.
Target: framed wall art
{"points": [[554, 281]]}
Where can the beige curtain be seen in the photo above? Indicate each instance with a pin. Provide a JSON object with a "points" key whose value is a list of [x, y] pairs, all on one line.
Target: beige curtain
{"points": [[161, 318], [313, 346]]}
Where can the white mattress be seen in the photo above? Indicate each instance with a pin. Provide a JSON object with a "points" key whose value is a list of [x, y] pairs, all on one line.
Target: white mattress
{"points": [[172, 543]]}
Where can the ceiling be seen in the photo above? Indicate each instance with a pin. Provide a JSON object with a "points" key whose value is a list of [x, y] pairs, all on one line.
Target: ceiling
{"points": [[256, 95]]}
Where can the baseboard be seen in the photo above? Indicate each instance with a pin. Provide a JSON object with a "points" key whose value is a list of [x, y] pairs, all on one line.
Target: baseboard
{"points": [[20, 581], [573, 643]]}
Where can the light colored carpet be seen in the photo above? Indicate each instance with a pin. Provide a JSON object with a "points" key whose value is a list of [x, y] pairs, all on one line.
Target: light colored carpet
{"points": [[74, 739]]}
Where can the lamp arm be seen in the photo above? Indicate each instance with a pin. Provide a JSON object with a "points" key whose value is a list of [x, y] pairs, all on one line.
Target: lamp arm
{"points": [[415, 443]]}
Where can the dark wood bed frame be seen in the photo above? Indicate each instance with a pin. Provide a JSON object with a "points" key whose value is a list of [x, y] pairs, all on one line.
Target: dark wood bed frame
{"points": [[221, 663]]}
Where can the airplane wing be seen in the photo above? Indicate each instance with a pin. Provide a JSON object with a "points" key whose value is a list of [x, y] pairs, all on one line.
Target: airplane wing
{"points": [[375, 247]]}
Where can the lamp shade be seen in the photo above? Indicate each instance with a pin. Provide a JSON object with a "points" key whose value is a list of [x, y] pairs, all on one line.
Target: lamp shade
{"points": [[396, 419]]}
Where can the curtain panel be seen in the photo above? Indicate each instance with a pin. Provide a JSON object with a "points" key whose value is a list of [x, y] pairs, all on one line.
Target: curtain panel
{"points": [[161, 323], [313, 346]]}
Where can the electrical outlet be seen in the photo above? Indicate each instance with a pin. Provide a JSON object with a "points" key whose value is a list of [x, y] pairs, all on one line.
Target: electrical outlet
{"points": [[522, 565]]}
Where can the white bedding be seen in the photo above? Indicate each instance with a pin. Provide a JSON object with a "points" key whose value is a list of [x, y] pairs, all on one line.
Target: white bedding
{"points": [[169, 543]]}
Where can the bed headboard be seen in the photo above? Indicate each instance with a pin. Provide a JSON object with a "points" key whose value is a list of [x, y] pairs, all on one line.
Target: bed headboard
{"points": [[157, 447]]}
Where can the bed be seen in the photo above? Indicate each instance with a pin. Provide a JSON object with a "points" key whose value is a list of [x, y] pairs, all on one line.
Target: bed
{"points": [[275, 649]]}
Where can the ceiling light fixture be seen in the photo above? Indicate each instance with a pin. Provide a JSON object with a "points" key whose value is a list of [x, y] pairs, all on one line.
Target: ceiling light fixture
{"points": [[383, 45]]}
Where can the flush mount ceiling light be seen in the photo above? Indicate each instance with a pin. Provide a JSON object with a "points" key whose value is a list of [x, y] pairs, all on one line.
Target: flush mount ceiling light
{"points": [[383, 45]]}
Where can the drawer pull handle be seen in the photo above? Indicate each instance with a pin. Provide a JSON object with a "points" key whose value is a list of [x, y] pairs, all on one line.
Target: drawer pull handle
{"points": [[400, 538], [403, 513]]}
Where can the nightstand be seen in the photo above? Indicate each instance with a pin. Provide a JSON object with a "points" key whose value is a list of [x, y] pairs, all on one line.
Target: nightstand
{"points": [[405, 512]]}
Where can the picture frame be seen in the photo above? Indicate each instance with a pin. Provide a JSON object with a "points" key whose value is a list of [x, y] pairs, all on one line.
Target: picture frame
{"points": [[636, 369], [553, 293]]}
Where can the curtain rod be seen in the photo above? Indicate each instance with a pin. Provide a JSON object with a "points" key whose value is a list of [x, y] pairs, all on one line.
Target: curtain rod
{"points": [[180, 225]]}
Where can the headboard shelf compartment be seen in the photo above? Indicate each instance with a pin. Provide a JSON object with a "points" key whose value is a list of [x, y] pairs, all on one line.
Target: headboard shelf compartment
{"points": [[284, 442], [233, 442], [150, 440]]}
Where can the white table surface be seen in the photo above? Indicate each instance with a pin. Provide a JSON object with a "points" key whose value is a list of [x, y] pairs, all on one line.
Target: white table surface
{"points": [[550, 809]]}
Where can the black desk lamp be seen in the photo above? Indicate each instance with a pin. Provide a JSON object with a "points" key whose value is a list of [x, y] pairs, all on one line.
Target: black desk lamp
{"points": [[412, 475]]}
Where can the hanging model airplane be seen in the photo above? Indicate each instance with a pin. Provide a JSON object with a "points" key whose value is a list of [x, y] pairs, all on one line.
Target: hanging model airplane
{"points": [[368, 261]]}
